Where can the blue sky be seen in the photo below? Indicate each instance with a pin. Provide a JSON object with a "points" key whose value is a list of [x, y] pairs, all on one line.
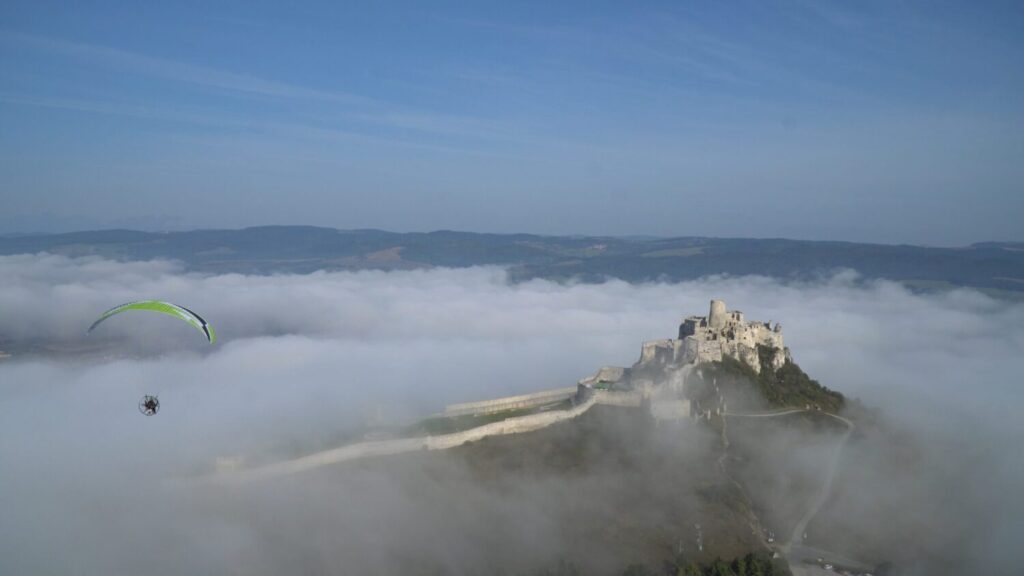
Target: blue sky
{"points": [[867, 121]]}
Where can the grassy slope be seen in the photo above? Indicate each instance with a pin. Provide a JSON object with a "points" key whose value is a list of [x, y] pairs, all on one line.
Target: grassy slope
{"points": [[613, 487], [789, 386]]}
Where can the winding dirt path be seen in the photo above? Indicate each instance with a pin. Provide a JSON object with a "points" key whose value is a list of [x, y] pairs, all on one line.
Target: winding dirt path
{"points": [[826, 487]]}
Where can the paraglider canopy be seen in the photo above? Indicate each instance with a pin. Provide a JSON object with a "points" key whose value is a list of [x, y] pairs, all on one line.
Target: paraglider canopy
{"points": [[164, 308]]}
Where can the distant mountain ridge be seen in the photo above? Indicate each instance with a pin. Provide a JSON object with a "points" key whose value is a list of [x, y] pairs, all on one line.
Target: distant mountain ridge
{"points": [[997, 267]]}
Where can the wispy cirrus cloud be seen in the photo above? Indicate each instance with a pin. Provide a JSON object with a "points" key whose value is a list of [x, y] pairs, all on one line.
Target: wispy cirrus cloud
{"points": [[116, 109], [174, 70], [337, 113]]}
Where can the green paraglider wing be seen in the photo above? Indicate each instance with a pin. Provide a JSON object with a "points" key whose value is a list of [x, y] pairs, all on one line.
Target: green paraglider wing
{"points": [[164, 308]]}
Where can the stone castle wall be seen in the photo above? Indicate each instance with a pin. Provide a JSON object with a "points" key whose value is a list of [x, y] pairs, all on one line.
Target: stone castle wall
{"points": [[728, 333], [510, 402], [516, 425], [627, 398], [701, 339], [359, 450]]}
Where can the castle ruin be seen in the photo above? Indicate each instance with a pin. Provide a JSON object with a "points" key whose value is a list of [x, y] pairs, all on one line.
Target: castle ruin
{"points": [[726, 333], [657, 380], [719, 334], [722, 333]]}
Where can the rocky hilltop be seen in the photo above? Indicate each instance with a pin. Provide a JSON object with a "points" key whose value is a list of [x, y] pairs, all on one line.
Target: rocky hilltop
{"points": [[673, 462], [722, 345]]}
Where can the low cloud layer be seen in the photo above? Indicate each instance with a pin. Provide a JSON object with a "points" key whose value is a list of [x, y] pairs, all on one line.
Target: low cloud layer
{"points": [[304, 360]]}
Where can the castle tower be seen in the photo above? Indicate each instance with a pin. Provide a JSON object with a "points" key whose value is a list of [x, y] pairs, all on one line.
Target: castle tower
{"points": [[717, 315]]}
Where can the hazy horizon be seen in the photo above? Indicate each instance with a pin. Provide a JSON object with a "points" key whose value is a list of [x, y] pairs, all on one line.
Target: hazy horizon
{"points": [[469, 231]]}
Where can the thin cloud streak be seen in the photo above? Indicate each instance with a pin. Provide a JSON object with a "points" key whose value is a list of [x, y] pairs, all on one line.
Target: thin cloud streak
{"points": [[180, 71], [340, 107]]}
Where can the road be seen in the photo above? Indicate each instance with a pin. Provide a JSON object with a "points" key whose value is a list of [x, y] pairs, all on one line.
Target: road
{"points": [[826, 487], [796, 554], [800, 553]]}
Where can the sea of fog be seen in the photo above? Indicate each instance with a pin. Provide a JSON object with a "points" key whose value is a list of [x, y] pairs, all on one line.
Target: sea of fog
{"points": [[303, 360]]}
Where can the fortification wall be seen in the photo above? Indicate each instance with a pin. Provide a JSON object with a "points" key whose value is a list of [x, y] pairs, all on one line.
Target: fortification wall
{"points": [[510, 402], [630, 398], [516, 425], [696, 351], [350, 452], [333, 456], [609, 374]]}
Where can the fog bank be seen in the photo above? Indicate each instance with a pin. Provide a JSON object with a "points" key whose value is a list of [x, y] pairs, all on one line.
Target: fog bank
{"points": [[304, 360]]}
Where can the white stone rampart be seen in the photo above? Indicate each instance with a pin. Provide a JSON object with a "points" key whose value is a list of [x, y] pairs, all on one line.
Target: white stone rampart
{"points": [[630, 398], [517, 425], [606, 374], [701, 339], [350, 452], [657, 351], [697, 351], [510, 402]]}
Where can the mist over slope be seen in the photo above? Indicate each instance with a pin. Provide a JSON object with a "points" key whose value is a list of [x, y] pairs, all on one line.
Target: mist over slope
{"points": [[304, 360]]}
